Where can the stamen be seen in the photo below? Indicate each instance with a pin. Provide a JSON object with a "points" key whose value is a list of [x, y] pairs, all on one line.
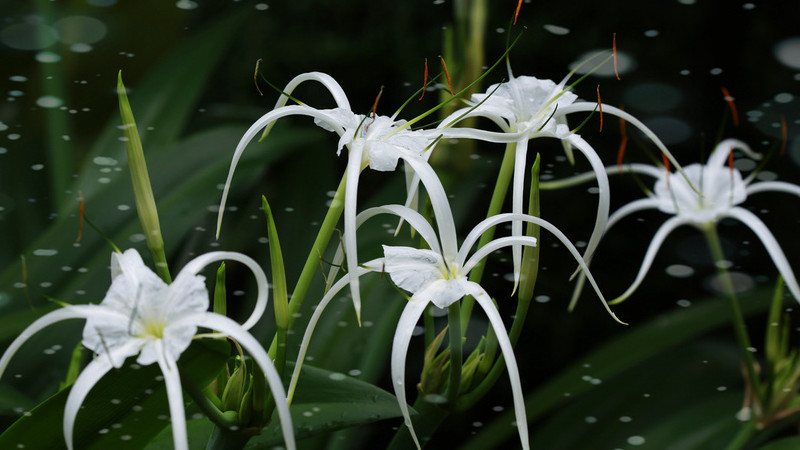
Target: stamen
{"points": [[424, 80], [80, 218], [784, 134], [729, 99], [623, 143], [614, 52], [600, 107], [374, 108], [447, 75], [519, 5], [666, 166], [255, 77], [105, 346]]}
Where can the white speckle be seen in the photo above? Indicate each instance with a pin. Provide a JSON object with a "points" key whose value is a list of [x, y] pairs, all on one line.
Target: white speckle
{"points": [[186, 4], [555, 29], [49, 101], [262, 6], [45, 252], [47, 57], [638, 440]]}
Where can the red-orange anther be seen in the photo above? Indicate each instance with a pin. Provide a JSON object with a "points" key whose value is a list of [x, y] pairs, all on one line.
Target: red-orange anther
{"points": [[784, 134], [623, 144], [729, 99], [666, 166], [600, 107], [374, 108], [424, 80], [447, 75]]}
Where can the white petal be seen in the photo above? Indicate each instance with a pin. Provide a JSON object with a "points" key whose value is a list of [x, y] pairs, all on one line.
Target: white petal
{"points": [[326, 80], [177, 414], [772, 246], [402, 337], [517, 194], [248, 342], [350, 199], [66, 313], [90, 375], [372, 266], [194, 266], [777, 186], [412, 269], [499, 328], [658, 239], [251, 132], [719, 157]]}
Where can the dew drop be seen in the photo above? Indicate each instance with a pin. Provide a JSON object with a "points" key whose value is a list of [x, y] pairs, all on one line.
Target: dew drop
{"points": [[636, 440], [49, 101], [45, 252], [48, 57], [555, 29], [186, 4]]}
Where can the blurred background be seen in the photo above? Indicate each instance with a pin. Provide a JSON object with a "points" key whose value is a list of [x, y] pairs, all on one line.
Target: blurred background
{"points": [[189, 68]]}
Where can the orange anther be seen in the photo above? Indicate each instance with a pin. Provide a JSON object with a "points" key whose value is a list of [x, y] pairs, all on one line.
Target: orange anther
{"points": [[729, 99], [519, 5], [374, 108], [614, 52], [447, 75], [666, 166]]}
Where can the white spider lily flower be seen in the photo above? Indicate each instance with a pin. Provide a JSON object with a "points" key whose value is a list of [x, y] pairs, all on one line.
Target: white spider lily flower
{"points": [[439, 275], [526, 108], [142, 315], [377, 142], [723, 189]]}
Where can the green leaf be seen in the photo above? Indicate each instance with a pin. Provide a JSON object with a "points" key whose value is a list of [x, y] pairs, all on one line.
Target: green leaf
{"points": [[790, 443], [326, 401], [123, 411]]}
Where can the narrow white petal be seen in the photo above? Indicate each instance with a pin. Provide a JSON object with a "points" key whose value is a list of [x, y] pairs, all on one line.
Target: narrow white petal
{"points": [[371, 266], [483, 299], [604, 196], [517, 194], [402, 337], [350, 199], [248, 342], [772, 246], [719, 157], [251, 132], [496, 244], [440, 205], [66, 313], [658, 239], [775, 186], [326, 80], [172, 380], [90, 375], [194, 266]]}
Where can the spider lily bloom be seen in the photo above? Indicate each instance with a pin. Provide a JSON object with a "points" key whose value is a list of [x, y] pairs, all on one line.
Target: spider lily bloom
{"points": [[723, 190], [526, 108], [377, 142], [439, 275], [141, 315]]}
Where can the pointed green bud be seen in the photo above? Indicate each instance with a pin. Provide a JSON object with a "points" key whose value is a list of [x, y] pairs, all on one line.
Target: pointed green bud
{"points": [[235, 388], [530, 255], [279, 289], [74, 368], [434, 377], [142, 189], [220, 295]]}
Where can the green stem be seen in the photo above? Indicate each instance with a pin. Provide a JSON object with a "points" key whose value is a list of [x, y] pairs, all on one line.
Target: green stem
{"points": [[456, 352], [203, 400], [739, 326], [225, 440], [466, 401], [743, 437], [495, 206], [317, 250]]}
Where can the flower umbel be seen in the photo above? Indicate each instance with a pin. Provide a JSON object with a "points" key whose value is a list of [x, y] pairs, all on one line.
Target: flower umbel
{"points": [[142, 315]]}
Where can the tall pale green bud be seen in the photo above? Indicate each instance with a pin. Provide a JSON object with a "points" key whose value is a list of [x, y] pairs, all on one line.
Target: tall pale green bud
{"points": [[142, 190]]}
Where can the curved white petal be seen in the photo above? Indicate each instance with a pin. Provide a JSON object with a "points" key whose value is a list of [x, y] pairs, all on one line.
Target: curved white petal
{"points": [[614, 111], [88, 377], [372, 266], [66, 313], [604, 196], [496, 244], [719, 156], [172, 380], [658, 239], [440, 205], [194, 266], [414, 219], [402, 337], [772, 246], [350, 199], [248, 342], [517, 194], [323, 78], [266, 119], [483, 299], [775, 186], [643, 169], [483, 135]]}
